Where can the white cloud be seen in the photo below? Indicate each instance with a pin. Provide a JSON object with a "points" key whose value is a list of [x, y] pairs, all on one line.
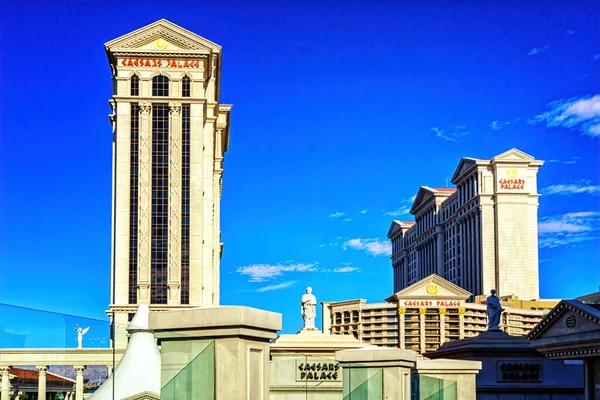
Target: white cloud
{"points": [[264, 272], [537, 50], [276, 286], [570, 31], [374, 247], [568, 229], [573, 160], [321, 245], [450, 136], [337, 214], [348, 219], [495, 125], [582, 113], [346, 269], [402, 210], [364, 211], [584, 187]]}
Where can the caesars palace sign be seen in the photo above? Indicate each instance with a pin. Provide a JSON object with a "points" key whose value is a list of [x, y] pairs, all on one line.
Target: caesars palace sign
{"points": [[511, 182], [158, 63], [432, 291]]}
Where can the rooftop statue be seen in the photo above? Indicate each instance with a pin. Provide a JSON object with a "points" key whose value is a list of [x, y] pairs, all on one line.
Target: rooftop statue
{"points": [[80, 333], [309, 309], [494, 311]]}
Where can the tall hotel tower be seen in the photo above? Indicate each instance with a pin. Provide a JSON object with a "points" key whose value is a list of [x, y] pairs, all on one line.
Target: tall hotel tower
{"points": [[169, 138], [480, 235]]}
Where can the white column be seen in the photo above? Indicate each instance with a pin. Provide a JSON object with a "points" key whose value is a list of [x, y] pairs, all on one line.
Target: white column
{"points": [[422, 312], [401, 322], [442, 312], [461, 323], [110, 370], [42, 382], [5, 383], [79, 382], [174, 274], [144, 204]]}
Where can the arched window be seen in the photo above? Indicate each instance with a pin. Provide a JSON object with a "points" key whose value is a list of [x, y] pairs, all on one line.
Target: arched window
{"points": [[186, 84], [135, 85], [160, 86]]}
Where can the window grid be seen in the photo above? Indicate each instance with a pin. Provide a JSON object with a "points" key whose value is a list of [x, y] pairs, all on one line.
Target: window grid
{"points": [[160, 86], [133, 203], [185, 204], [186, 87], [135, 85], [160, 203]]}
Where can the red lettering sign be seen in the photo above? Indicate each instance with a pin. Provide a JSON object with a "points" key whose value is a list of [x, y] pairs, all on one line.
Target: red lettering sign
{"points": [[512, 184], [432, 303], [145, 62]]}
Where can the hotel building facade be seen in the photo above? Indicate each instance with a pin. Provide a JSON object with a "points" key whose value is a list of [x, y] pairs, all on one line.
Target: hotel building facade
{"points": [[481, 235], [170, 133], [425, 315]]}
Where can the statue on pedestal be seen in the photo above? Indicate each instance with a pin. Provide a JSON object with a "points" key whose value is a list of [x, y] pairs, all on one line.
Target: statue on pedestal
{"points": [[80, 333], [309, 309], [494, 311]]}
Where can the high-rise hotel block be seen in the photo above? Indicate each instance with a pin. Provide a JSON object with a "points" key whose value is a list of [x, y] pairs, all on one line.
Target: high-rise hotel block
{"points": [[170, 134], [481, 235]]}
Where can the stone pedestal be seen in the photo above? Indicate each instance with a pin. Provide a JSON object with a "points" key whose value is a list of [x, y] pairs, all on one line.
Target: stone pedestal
{"points": [[399, 374], [304, 365], [216, 353], [378, 373], [511, 366]]}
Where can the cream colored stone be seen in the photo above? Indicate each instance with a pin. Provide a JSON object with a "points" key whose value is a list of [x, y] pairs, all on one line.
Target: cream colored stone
{"points": [[205, 164], [489, 225]]}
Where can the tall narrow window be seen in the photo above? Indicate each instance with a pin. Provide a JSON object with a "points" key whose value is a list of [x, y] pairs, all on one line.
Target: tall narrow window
{"points": [[160, 86], [160, 203], [186, 84], [135, 85], [133, 203], [185, 204]]}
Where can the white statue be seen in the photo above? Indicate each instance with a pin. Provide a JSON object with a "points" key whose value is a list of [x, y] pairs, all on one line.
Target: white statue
{"points": [[309, 309], [494, 311], [80, 333]]}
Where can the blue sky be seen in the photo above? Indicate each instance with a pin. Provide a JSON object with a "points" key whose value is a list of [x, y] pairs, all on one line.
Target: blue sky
{"points": [[342, 109]]}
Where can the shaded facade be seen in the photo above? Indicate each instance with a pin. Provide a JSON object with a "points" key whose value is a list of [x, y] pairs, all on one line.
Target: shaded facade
{"points": [[170, 133], [424, 316], [480, 235]]}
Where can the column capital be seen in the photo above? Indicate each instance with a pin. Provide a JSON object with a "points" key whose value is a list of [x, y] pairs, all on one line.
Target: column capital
{"points": [[442, 311], [42, 369], [4, 369], [145, 108], [175, 109], [422, 310], [79, 369]]}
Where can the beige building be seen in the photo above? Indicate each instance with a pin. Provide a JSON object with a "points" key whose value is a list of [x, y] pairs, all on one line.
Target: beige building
{"points": [[425, 315], [481, 235], [170, 134]]}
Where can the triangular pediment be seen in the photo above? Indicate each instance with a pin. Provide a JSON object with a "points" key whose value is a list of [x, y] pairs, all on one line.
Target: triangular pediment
{"points": [[513, 155], [143, 396], [161, 36], [434, 287], [394, 228], [465, 165], [568, 317], [424, 194]]}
